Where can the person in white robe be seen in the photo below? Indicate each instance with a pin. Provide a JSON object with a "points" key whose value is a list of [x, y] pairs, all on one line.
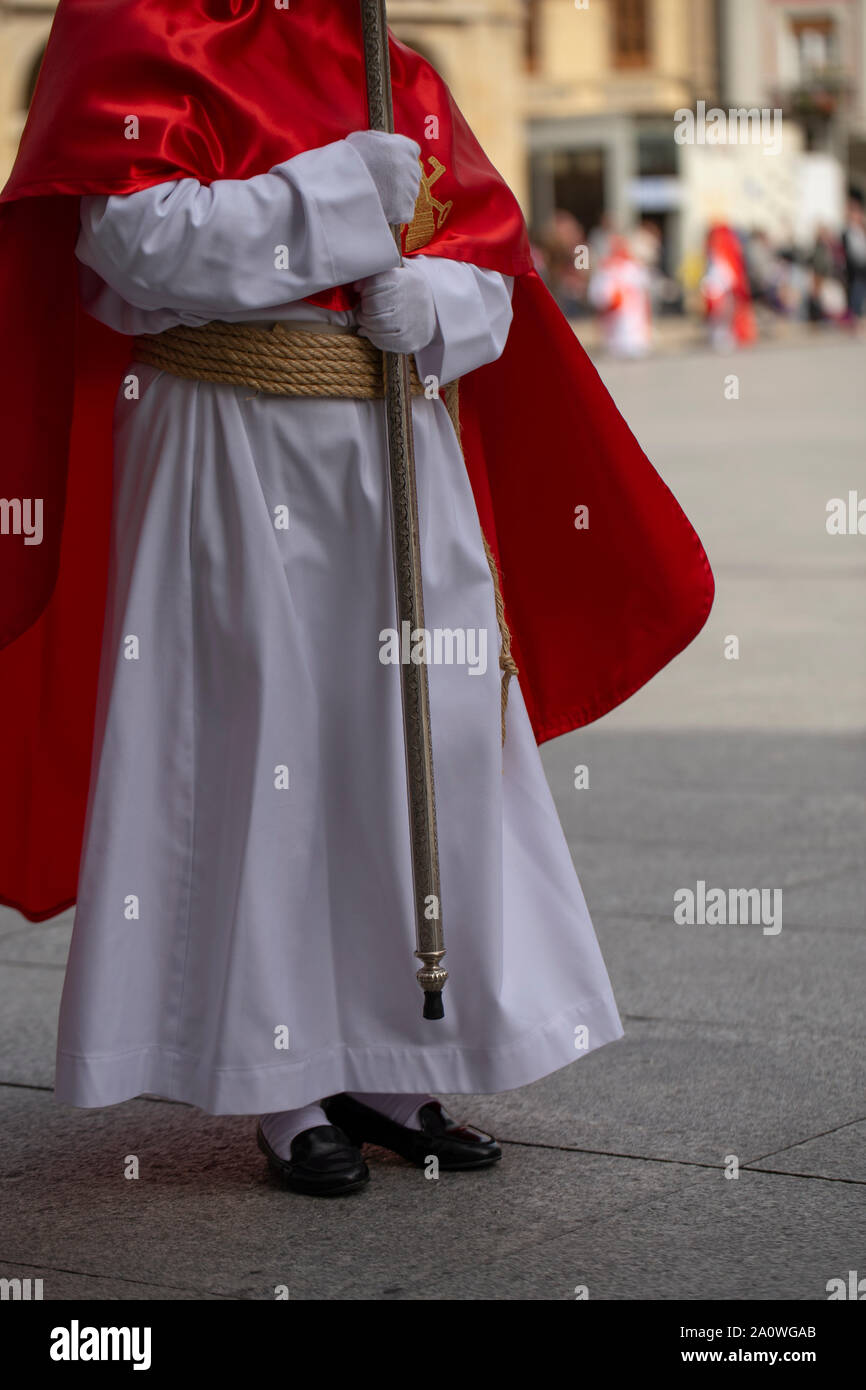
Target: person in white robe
{"points": [[620, 292], [244, 934]]}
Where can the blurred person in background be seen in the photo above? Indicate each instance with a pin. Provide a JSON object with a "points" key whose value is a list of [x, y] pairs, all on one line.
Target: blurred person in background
{"points": [[647, 247], [828, 300], [761, 266], [620, 291], [726, 291], [854, 251], [561, 238], [599, 239], [790, 284]]}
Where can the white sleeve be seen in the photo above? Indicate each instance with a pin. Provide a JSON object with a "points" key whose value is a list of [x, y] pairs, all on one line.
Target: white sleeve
{"points": [[473, 313], [313, 222]]}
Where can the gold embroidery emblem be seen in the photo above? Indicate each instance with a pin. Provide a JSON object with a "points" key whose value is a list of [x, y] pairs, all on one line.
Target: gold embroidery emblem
{"points": [[429, 212]]}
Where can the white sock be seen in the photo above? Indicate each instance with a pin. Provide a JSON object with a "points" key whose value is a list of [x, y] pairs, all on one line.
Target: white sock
{"points": [[282, 1126], [402, 1109]]}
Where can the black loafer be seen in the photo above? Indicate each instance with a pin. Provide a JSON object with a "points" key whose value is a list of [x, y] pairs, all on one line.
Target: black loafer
{"points": [[324, 1162], [456, 1146]]}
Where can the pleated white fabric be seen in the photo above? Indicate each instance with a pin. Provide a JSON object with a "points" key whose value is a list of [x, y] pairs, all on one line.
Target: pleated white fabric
{"points": [[243, 939]]}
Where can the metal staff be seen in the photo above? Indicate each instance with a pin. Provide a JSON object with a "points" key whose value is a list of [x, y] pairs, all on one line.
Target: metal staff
{"points": [[430, 943]]}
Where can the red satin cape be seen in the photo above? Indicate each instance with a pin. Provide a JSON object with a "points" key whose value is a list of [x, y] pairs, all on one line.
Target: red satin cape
{"points": [[227, 89]]}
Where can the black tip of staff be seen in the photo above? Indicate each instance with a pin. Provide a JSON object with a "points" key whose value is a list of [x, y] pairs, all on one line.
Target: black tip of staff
{"points": [[433, 1005]]}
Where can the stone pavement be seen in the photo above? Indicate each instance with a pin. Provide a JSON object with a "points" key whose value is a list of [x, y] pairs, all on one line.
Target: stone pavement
{"points": [[739, 1044]]}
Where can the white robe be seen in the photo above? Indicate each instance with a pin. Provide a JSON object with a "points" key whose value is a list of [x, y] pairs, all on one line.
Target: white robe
{"points": [[238, 944]]}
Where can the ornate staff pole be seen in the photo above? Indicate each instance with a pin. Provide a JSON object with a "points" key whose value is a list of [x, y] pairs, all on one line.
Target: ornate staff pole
{"points": [[430, 943]]}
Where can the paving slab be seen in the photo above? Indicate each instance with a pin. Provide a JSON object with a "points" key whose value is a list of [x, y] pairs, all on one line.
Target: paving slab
{"points": [[71, 1285], [205, 1215], [639, 880], [688, 1092], [754, 1237], [34, 943], [29, 1003], [754, 475], [739, 790], [796, 986], [840, 1155]]}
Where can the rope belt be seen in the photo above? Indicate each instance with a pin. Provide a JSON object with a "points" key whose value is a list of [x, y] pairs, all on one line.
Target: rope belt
{"points": [[312, 361], [278, 361]]}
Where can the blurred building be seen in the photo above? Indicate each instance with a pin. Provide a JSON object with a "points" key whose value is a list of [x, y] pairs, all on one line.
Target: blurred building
{"points": [[479, 47], [575, 102], [24, 26], [808, 60], [603, 81], [573, 99]]}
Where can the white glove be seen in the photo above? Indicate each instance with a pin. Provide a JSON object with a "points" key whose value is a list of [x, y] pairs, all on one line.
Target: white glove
{"points": [[393, 165], [397, 311]]}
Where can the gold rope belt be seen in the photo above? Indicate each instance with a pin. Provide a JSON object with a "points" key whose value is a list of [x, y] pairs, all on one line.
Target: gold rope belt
{"points": [[325, 361], [279, 361]]}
